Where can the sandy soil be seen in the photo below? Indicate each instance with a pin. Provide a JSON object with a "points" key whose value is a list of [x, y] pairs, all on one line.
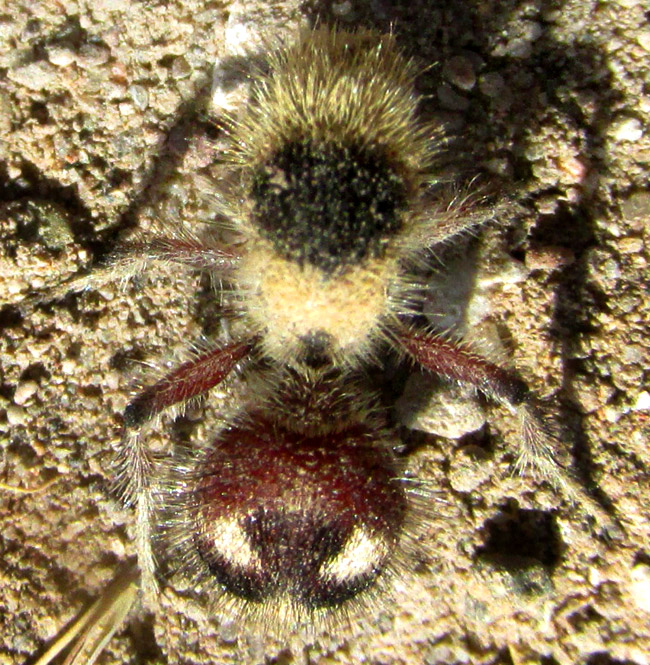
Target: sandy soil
{"points": [[103, 129]]}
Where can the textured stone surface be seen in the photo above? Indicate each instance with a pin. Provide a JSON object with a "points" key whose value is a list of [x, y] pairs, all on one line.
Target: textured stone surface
{"points": [[100, 115]]}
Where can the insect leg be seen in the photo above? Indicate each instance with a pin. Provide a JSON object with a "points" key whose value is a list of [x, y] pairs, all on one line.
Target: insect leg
{"points": [[135, 462], [137, 257], [542, 437]]}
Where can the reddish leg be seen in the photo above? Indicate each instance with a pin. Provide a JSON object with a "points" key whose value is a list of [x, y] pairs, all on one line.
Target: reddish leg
{"points": [[190, 379], [136, 465], [458, 362], [542, 437]]}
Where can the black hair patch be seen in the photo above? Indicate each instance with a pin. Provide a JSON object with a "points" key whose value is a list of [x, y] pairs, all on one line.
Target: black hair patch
{"points": [[326, 204]]}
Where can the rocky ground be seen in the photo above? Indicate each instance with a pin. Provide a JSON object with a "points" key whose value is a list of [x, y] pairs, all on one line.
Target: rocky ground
{"points": [[104, 128]]}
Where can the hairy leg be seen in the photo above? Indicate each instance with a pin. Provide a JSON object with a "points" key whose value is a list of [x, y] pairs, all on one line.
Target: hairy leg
{"points": [[135, 258], [136, 465], [541, 434], [192, 378], [449, 211]]}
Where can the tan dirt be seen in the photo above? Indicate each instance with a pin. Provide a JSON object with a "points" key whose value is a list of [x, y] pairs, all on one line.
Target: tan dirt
{"points": [[102, 129]]}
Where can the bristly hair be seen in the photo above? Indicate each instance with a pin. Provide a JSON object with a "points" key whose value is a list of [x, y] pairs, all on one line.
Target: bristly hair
{"points": [[277, 616], [334, 86], [337, 196]]}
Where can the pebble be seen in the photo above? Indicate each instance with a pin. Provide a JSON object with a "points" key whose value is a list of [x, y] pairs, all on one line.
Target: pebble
{"points": [[450, 99], [16, 415], [114, 90], [500, 166], [446, 410], [35, 76], [112, 380], [633, 354], [459, 71], [468, 469], [603, 268], [643, 40], [69, 366], [520, 46], [492, 84], [642, 403], [640, 586], [93, 55], [626, 129], [167, 101], [549, 258], [478, 310], [180, 68], [7, 26], [24, 392], [630, 245], [449, 292], [54, 223], [444, 653], [139, 96], [547, 204], [228, 632], [612, 414], [60, 56], [636, 207], [573, 167], [126, 109], [342, 9]]}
